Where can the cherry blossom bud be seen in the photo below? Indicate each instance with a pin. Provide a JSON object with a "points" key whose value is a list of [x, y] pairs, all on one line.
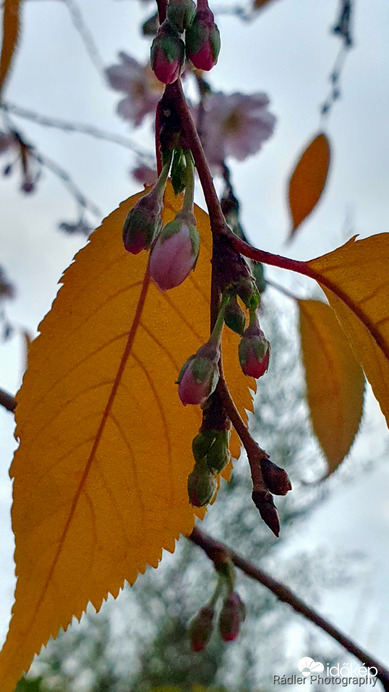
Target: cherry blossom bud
{"points": [[200, 628], [231, 617], [234, 316], [180, 14], [218, 455], [175, 252], [142, 223], [199, 375], [202, 485], [167, 54], [276, 478], [203, 39], [254, 351]]}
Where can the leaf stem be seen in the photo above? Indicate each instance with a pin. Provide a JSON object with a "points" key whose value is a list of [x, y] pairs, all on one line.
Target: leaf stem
{"points": [[306, 269]]}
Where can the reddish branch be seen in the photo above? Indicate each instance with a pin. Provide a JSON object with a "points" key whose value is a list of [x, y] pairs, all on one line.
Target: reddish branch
{"points": [[216, 550]]}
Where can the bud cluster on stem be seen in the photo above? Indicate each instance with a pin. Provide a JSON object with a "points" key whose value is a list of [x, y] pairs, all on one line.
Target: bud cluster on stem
{"points": [[202, 40], [231, 615]]}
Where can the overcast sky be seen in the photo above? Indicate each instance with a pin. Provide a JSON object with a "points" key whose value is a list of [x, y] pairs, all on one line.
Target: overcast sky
{"points": [[288, 52]]}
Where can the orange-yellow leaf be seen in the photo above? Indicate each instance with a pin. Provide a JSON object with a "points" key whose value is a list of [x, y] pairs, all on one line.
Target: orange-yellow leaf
{"points": [[11, 23], [355, 279], [105, 445], [308, 179], [334, 380]]}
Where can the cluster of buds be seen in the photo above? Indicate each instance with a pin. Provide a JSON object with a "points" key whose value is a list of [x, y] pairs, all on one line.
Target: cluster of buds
{"points": [[211, 453], [202, 40], [254, 348], [231, 616], [174, 247]]}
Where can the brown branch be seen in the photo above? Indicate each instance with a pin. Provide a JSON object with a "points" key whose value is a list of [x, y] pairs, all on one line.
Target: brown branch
{"points": [[214, 549], [7, 400]]}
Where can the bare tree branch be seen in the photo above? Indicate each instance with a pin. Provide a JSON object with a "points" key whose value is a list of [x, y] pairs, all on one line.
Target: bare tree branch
{"points": [[68, 126]]}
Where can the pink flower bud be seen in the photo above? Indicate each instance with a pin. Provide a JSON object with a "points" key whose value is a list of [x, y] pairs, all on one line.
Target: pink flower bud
{"points": [[199, 375], [143, 222], [175, 252], [203, 39], [231, 617], [200, 628], [254, 351], [167, 54]]}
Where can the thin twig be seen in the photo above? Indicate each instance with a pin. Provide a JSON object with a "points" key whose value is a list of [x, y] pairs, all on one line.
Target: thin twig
{"points": [[68, 182], [86, 35], [7, 401], [68, 126], [214, 549]]}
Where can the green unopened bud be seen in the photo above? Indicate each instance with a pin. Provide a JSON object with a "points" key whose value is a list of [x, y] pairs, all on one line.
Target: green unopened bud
{"points": [[218, 455], [202, 485], [200, 628], [202, 444], [234, 316], [180, 14]]}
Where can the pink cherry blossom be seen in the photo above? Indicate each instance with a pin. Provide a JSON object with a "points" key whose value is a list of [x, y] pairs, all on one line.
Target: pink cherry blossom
{"points": [[140, 85], [235, 125], [144, 174]]}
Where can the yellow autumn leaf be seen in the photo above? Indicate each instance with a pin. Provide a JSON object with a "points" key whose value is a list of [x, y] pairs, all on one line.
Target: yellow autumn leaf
{"points": [[355, 280], [11, 23], [308, 180], [334, 380], [105, 445]]}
